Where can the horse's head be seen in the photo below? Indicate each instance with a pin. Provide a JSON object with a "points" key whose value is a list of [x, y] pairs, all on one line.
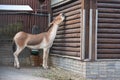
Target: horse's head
{"points": [[59, 19]]}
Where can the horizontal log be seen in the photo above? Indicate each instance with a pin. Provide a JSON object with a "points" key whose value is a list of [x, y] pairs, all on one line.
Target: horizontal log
{"points": [[109, 25], [67, 44], [67, 31], [109, 15], [73, 26], [108, 10], [68, 53], [108, 5], [77, 16], [76, 7], [108, 35], [108, 51], [74, 12], [108, 56], [65, 40], [108, 1], [66, 6], [108, 46], [65, 56], [108, 41], [72, 17], [108, 20], [70, 22], [67, 49], [75, 35], [113, 31]]}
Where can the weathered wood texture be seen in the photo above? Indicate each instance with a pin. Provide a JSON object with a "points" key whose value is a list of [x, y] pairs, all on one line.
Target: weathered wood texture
{"points": [[68, 39], [27, 20], [33, 3], [108, 45]]}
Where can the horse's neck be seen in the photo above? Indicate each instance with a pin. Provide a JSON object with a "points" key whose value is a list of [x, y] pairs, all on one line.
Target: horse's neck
{"points": [[52, 31]]}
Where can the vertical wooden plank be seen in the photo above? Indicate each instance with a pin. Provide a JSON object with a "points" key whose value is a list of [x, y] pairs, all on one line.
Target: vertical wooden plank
{"points": [[93, 30], [85, 29], [82, 31]]}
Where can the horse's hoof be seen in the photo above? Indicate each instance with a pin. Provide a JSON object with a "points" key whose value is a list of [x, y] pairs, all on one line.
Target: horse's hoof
{"points": [[45, 67], [17, 67]]}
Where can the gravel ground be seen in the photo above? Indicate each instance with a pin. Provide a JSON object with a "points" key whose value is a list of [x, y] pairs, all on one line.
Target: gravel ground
{"points": [[10, 73], [36, 73]]}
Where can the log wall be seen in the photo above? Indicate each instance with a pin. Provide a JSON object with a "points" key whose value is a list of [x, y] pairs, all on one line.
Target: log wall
{"points": [[68, 39], [108, 37]]}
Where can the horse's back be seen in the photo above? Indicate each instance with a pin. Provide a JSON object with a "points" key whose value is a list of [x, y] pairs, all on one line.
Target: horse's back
{"points": [[20, 38]]}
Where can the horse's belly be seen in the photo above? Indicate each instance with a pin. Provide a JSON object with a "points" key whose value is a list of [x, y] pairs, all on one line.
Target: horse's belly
{"points": [[39, 46], [43, 44]]}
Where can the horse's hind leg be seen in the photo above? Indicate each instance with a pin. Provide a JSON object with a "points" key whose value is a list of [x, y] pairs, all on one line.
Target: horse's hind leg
{"points": [[16, 61]]}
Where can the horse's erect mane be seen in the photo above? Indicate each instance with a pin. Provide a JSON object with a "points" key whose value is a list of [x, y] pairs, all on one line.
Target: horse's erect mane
{"points": [[51, 24]]}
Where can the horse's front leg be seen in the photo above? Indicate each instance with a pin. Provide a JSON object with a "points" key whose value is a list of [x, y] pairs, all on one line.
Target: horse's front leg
{"points": [[45, 57]]}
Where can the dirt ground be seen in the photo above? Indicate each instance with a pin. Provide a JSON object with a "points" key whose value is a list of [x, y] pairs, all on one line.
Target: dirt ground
{"points": [[10, 73], [36, 73]]}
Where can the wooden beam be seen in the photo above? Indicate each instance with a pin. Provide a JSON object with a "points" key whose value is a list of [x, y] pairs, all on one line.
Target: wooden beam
{"points": [[67, 31], [71, 22], [108, 41], [110, 35], [108, 5], [85, 29], [73, 26], [109, 46], [69, 53], [93, 30], [65, 56], [108, 10], [70, 13], [74, 35], [72, 40], [108, 1], [109, 51], [108, 56], [67, 49], [109, 31], [109, 15], [108, 25], [66, 6], [68, 9], [67, 44], [108, 20]]}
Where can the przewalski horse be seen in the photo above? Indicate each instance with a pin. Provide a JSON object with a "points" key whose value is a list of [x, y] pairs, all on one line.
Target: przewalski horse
{"points": [[37, 41]]}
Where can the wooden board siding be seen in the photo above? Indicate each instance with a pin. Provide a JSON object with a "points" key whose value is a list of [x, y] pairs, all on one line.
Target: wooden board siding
{"points": [[33, 3], [108, 29], [68, 39], [27, 20]]}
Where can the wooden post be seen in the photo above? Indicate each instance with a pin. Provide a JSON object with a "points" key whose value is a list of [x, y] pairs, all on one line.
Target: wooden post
{"points": [[93, 30], [89, 30], [85, 29]]}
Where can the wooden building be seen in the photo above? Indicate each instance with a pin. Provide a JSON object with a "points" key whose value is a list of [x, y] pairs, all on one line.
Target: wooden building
{"points": [[88, 42], [90, 30]]}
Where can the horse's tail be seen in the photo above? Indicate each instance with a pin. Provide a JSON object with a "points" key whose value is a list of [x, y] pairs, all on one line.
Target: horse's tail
{"points": [[14, 46]]}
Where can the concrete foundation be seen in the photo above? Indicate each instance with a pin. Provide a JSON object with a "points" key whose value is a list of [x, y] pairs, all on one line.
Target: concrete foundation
{"points": [[98, 70]]}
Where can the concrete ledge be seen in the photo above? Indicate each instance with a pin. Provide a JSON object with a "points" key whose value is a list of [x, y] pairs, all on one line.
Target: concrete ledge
{"points": [[98, 70]]}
